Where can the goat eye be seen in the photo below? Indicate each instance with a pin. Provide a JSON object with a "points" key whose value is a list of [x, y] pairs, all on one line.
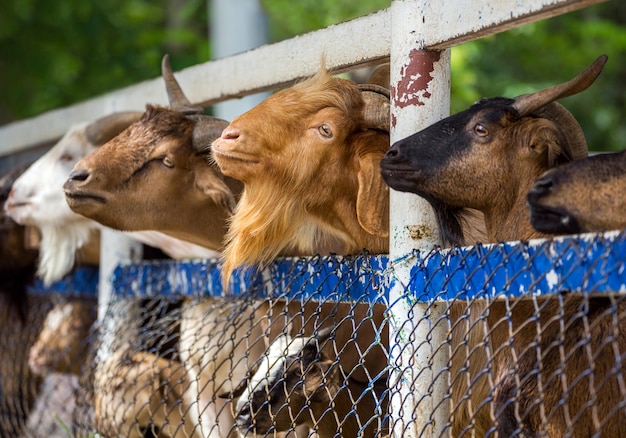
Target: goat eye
{"points": [[325, 131], [167, 162], [481, 131]]}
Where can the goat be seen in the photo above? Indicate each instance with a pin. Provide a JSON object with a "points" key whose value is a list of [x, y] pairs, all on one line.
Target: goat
{"points": [[37, 199], [487, 157], [146, 176], [308, 156], [295, 383], [62, 343], [58, 355], [18, 261], [582, 196], [136, 391]]}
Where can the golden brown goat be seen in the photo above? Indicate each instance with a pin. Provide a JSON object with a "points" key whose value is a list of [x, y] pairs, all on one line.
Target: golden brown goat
{"points": [[583, 196], [487, 157], [155, 175], [308, 157]]}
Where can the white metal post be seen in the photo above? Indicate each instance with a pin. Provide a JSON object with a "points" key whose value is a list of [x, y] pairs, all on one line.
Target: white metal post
{"points": [[420, 95], [115, 248], [226, 39]]}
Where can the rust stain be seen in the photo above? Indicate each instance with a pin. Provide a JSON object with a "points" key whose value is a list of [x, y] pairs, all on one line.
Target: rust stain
{"points": [[416, 75]]}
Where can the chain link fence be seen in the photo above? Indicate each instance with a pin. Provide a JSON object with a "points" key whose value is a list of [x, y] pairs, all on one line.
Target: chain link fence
{"points": [[532, 345]]}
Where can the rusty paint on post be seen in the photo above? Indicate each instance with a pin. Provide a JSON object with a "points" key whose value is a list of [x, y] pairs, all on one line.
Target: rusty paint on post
{"points": [[416, 76]]}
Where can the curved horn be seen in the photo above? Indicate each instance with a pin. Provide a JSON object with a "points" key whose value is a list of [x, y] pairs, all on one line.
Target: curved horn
{"points": [[377, 108], [381, 76], [107, 127], [206, 130], [178, 100], [573, 132], [529, 103]]}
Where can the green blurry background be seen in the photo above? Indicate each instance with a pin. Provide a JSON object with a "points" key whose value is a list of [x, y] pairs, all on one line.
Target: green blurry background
{"points": [[54, 54]]}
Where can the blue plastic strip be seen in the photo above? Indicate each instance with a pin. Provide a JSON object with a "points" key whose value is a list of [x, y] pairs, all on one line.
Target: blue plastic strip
{"points": [[82, 281], [587, 264], [324, 278]]}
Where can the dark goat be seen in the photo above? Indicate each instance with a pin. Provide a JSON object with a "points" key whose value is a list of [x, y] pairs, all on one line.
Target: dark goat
{"points": [[487, 157], [586, 195], [18, 263]]}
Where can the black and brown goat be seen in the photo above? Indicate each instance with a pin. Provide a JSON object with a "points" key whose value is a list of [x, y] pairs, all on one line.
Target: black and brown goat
{"points": [[487, 157], [583, 196]]}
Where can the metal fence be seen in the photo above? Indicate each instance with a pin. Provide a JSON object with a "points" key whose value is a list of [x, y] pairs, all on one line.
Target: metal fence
{"points": [[514, 339], [532, 344]]}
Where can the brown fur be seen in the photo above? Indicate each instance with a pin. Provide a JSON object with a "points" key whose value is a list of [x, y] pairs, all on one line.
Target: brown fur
{"points": [[304, 193], [314, 391], [62, 344], [490, 165], [155, 397], [583, 196], [138, 191]]}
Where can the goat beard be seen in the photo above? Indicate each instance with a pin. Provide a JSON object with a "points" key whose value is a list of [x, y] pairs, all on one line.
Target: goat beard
{"points": [[266, 225], [57, 251]]}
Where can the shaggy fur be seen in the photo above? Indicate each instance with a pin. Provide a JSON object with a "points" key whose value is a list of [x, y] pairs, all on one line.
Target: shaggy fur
{"points": [[305, 192]]}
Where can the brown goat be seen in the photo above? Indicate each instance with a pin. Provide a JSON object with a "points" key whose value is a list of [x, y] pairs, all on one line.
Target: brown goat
{"points": [[62, 343], [583, 196], [154, 171], [296, 383], [308, 157], [487, 157], [135, 390]]}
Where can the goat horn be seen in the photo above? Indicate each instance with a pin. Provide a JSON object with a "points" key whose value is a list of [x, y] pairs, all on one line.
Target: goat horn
{"points": [[576, 142], [178, 100], [206, 130], [105, 128], [529, 103], [381, 76], [377, 107]]}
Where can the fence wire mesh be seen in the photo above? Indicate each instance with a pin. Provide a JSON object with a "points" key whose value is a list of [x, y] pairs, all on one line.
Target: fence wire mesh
{"points": [[533, 346]]}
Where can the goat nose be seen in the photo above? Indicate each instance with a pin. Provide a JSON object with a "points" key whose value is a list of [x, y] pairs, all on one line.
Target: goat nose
{"points": [[78, 175], [230, 134], [391, 153], [543, 185]]}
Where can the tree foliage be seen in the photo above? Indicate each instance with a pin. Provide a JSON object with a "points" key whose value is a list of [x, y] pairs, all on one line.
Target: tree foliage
{"points": [[57, 53]]}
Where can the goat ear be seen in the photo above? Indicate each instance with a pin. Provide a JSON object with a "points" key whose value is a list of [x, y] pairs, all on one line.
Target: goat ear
{"points": [[372, 203], [214, 188], [548, 142]]}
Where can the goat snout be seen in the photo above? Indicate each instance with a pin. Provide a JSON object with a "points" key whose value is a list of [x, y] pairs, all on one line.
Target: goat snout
{"points": [[79, 175], [230, 133], [541, 187]]}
